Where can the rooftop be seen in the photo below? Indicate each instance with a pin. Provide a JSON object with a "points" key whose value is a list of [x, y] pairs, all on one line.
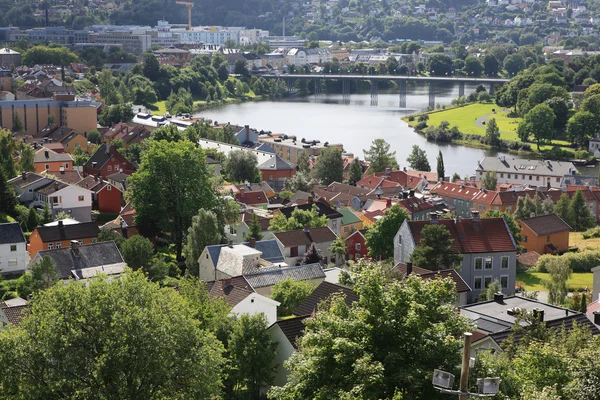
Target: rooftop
{"points": [[323, 292], [273, 276], [68, 232], [301, 238], [11, 233], [525, 166], [292, 328], [546, 224], [461, 285]]}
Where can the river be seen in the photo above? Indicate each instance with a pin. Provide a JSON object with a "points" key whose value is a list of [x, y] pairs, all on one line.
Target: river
{"points": [[354, 122]]}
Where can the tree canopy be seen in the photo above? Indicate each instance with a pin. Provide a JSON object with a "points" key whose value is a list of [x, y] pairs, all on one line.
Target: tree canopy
{"points": [[379, 236], [435, 248], [418, 159], [379, 156]]}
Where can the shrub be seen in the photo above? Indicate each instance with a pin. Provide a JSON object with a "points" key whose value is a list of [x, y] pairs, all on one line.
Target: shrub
{"points": [[579, 262], [592, 233], [411, 118], [421, 125], [423, 117]]}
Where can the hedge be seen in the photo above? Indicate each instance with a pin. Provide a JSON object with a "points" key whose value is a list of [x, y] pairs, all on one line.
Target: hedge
{"points": [[579, 262]]}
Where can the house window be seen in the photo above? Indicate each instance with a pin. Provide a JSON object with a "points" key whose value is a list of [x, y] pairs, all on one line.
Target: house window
{"points": [[76, 145], [488, 263], [80, 198], [477, 283], [345, 229], [334, 224], [109, 187], [294, 251], [66, 165], [58, 245], [557, 180], [67, 145], [504, 262], [548, 239], [13, 247], [399, 239], [12, 261], [81, 242], [537, 178], [50, 246], [116, 167], [504, 281], [478, 263], [486, 281], [232, 230], [47, 167], [270, 177], [501, 175], [110, 167], [54, 199], [93, 240], [524, 238], [508, 176], [530, 177], [357, 246]]}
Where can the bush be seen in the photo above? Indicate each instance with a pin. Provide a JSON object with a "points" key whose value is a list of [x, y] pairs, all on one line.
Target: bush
{"points": [[592, 233], [579, 262], [423, 117], [411, 118], [421, 125]]}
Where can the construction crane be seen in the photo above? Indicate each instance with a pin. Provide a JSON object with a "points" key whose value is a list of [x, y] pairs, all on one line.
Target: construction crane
{"points": [[189, 6]]}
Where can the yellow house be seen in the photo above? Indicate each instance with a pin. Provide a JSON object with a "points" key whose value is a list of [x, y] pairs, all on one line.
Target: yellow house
{"points": [[350, 222]]}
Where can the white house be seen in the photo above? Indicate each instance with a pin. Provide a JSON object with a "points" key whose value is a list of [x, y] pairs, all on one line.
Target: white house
{"points": [[237, 233], [522, 171], [13, 248], [294, 244], [285, 333]]}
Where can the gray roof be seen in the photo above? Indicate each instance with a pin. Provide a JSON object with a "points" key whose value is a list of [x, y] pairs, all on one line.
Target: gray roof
{"points": [[30, 177], [297, 273], [523, 166], [69, 265], [266, 148], [40, 157], [269, 248], [10, 233], [276, 164]]}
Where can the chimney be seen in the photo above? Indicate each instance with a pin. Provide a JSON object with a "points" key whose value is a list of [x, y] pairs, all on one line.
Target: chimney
{"points": [[56, 185], [96, 178], [60, 224], [433, 217], [247, 128], [408, 268], [538, 314], [24, 175], [306, 229], [75, 247], [388, 203], [499, 297], [253, 243], [230, 243], [597, 317], [46, 154], [107, 147], [411, 193], [388, 171], [531, 215], [94, 164], [404, 169], [225, 282], [310, 199], [475, 215]]}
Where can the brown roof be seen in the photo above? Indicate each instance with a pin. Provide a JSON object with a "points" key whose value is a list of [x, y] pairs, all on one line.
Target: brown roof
{"points": [[30, 177], [301, 238], [429, 176], [345, 188], [487, 235], [546, 224], [373, 182], [68, 232], [528, 259], [257, 197], [292, 328], [262, 221], [233, 290], [91, 182], [14, 314], [323, 292], [461, 285], [70, 177], [415, 204]]}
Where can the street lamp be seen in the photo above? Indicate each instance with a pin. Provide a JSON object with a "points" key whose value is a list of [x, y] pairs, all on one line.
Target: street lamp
{"points": [[443, 381]]}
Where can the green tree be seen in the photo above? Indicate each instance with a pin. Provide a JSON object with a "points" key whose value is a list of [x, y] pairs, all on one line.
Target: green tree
{"points": [[107, 87], [170, 203], [581, 127], [94, 136], [311, 256], [338, 248], [439, 65], [580, 216], [18, 124], [441, 171], [559, 272], [7, 150], [330, 166], [356, 172], [297, 220], [240, 166], [418, 159], [380, 157], [46, 216], [27, 158], [137, 252], [32, 219], [303, 162], [43, 274], [291, 293], [106, 235], [172, 356], [489, 180], [379, 235], [435, 249], [514, 63], [254, 230], [300, 181], [489, 292], [151, 69], [116, 113], [8, 199], [473, 67], [251, 353], [492, 133], [203, 232], [351, 351], [490, 65], [562, 208], [455, 177], [539, 122]]}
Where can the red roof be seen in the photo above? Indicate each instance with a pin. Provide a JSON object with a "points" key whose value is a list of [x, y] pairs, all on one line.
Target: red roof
{"points": [[448, 189], [373, 182], [488, 235], [251, 198], [461, 285], [415, 204], [593, 306]]}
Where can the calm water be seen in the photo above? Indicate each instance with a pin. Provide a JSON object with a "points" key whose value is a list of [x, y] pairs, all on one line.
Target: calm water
{"points": [[355, 122]]}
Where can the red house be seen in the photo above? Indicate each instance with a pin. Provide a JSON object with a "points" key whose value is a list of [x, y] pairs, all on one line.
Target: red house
{"points": [[276, 170], [356, 246], [106, 161], [105, 197]]}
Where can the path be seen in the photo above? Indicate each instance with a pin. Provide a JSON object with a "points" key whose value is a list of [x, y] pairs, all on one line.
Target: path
{"points": [[480, 121]]}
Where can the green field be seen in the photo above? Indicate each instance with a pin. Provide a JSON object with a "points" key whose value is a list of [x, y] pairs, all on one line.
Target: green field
{"points": [[534, 281], [159, 108]]}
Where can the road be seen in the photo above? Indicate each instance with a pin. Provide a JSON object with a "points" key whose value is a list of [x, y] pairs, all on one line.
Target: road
{"points": [[389, 77]]}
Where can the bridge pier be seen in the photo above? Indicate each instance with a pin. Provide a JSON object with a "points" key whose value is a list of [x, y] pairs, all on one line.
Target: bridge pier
{"points": [[345, 87], [402, 99], [290, 84], [318, 90], [491, 92], [432, 95], [461, 89], [374, 92]]}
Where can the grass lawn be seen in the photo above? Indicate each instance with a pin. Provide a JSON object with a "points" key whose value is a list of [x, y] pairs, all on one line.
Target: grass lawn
{"points": [[159, 108], [6, 218], [576, 239], [534, 281]]}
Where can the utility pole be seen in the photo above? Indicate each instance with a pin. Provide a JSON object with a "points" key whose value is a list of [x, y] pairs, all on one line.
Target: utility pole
{"points": [[464, 372]]}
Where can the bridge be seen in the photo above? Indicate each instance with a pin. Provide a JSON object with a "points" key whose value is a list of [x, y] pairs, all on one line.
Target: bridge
{"points": [[401, 80]]}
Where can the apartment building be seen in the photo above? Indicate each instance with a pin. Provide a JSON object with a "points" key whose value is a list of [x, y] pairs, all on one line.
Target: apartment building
{"points": [[289, 148], [132, 41]]}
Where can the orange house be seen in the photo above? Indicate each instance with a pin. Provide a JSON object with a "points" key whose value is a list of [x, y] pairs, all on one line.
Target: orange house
{"points": [[545, 234], [60, 236], [51, 161]]}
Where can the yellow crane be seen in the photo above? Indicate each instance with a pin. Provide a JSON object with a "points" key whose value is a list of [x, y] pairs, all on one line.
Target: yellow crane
{"points": [[189, 6]]}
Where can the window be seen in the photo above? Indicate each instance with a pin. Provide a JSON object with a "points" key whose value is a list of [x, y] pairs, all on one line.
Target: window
{"points": [[523, 177], [334, 224], [504, 281], [487, 280], [509, 208], [357, 246], [537, 178], [548, 239], [80, 198], [110, 167], [508, 176], [67, 145], [81, 242], [54, 199], [93, 240], [478, 263], [501, 175], [294, 251], [109, 187], [488, 263], [504, 262], [399, 239], [66, 165], [50, 246], [12, 261], [116, 167], [530, 177], [13, 247], [477, 283], [47, 167], [270, 177], [58, 245], [557, 180], [346, 229], [524, 238], [76, 145]]}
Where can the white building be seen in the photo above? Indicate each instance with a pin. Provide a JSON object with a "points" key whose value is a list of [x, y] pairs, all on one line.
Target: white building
{"points": [[525, 172], [300, 56], [13, 248]]}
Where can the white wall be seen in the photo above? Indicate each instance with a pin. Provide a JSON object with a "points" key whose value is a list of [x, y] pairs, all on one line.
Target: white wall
{"points": [[517, 178], [258, 304], [284, 352], [70, 197], [13, 261]]}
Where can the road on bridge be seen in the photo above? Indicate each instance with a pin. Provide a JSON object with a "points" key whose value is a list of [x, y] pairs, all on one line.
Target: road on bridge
{"points": [[389, 77]]}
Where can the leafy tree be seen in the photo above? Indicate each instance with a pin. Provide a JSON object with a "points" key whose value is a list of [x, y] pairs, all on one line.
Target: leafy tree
{"points": [[116, 113], [559, 271], [538, 122], [43, 274], [170, 203], [298, 220], [240, 166], [439, 65], [59, 216], [330, 166], [380, 157], [356, 172], [492, 133], [241, 68], [250, 354], [418, 159], [107, 87], [488, 293], [7, 150], [203, 232], [351, 351], [489, 180], [32, 219], [581, 127], [455, 177], [300, 181], [580, 216], [254, 230], [312, 255], [291, 293], [338, 248], [137, 252], [562, 208], [46, 216], [8, 199], [514, 63], [511, 221], [27, 158], [94, 136], [303, 162], [379, 235], [435, 248], [151, 68], [172, 356], [441, 171], [18, 124], [490, 65], [106, 235], [473, 67]]}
